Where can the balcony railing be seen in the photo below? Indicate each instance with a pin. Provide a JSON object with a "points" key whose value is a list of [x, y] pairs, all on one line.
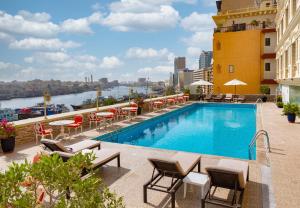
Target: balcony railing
{"points": [[244, 27], [249, 9]]}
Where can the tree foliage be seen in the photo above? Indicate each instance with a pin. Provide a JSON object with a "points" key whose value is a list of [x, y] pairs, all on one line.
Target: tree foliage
{"points": [[53, 183]]}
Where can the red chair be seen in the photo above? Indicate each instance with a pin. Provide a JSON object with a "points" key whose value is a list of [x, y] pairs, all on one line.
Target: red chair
{"points": [[40, 131], [122, 114], [134, 111], [78, 121], [94, 119]]}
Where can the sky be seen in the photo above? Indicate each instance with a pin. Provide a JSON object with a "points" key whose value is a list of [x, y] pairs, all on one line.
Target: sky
{"points": [[124, 40]]}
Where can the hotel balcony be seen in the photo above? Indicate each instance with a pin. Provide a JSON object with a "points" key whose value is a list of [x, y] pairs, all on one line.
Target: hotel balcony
{"points": [[244, 27]]}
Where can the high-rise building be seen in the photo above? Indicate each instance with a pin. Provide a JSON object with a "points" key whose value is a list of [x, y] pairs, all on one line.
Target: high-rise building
{"points": [[288, 49], [179, 65], [185, 78], [205, 59], [244, 45], [205, 74]]}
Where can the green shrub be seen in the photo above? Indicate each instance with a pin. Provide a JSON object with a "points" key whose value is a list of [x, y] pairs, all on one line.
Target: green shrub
{"points": [[279, 104], [265, 90], [186, 91], [279, 98], [20, 184], [291, 108], [109, 101]]}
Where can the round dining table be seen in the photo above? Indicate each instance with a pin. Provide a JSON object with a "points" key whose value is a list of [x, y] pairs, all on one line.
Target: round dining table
{"points": [[62, 124], [129, 110], [104, 115]]}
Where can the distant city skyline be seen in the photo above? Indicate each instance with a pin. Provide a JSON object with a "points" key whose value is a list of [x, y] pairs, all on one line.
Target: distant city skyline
{"points": [[121, 40]]}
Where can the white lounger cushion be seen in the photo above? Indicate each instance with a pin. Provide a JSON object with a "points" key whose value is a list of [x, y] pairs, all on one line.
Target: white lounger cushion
{"points": [[85, 144], [104, 155], [183, 161], [236, 166]]}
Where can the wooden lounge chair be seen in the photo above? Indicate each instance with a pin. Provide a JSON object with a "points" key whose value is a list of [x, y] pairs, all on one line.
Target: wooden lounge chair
{"points": [[241, 98], [219, 98], [228, 98], [208, 97], [103, 156], [54, 145], [228, 174], [176, 168]]}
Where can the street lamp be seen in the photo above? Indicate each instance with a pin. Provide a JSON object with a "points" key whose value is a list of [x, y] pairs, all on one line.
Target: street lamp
{"points": [[98, 93], [47, 98]]}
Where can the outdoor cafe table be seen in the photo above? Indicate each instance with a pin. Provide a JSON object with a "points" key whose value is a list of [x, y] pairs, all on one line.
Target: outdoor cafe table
{"points": [[158, 104], [186, 97], [129, 110], [104, 115], [62, 124]]}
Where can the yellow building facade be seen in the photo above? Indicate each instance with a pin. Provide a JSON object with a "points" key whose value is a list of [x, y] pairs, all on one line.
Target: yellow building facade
{"points": [[244, 47]]}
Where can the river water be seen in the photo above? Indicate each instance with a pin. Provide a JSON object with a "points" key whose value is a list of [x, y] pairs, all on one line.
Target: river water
{"points": [[74, 99]]}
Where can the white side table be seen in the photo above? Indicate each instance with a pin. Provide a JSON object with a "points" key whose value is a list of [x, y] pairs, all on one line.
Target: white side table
{"points": [[197, 179]]}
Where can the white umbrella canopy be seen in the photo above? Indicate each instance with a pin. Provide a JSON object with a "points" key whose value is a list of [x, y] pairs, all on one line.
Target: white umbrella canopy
{"points": [[201, 82], [235, 82]]}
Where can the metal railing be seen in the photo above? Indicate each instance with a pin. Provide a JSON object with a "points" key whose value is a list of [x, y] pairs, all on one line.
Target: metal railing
{"points": [[253, 142], [244, 27]]}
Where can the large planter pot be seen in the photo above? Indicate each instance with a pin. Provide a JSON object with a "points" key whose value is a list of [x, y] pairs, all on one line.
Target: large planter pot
{"points": [[291, 117], [8, 144]]}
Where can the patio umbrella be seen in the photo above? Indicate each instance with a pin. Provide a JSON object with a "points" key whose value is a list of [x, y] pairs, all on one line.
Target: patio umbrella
{"points": [[234, 82], [201, 82]]}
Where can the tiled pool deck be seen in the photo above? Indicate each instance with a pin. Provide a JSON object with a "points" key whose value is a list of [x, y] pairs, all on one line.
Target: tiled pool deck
{"points": [[278, 186]]}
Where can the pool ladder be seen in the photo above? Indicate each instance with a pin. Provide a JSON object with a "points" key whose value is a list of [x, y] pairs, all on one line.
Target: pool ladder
{"points": [[253, 142]]}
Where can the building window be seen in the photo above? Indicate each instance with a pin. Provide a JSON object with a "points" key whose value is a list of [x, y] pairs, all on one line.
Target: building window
{"points": [[218, 45], [267, 67], [230, 69], [267, 41]]}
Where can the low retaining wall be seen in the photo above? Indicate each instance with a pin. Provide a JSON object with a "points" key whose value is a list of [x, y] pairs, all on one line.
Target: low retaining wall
{"points": [[25, 130]]}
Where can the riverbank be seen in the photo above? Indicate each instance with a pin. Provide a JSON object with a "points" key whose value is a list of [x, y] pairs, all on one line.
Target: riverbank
{"points": [[70, 99]]}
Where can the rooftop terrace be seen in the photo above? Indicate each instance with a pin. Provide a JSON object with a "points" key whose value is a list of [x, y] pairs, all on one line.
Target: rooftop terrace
{"points": [[271, 185]]}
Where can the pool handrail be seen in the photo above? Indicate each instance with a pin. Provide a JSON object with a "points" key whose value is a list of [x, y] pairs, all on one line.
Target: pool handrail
{"points": [[253, 141]]}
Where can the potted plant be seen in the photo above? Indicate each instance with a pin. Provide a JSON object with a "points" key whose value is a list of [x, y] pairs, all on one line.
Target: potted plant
{"points": [[7, 136], [254, 23], [265, 90], [279, 104], [291, 110]]}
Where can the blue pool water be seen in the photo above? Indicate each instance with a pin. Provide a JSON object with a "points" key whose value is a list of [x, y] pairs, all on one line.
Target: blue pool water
{"points": [[215, 129]]}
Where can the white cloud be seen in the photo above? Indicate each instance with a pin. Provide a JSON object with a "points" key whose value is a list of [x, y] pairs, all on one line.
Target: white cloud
{"points": [[200, 39], [165, 17], [150, 53], [26, 24], [110, 62], [29, 60], [198, 22], [193, 51], [36, 17], [156, 70], [81, 25], [42, 44]]}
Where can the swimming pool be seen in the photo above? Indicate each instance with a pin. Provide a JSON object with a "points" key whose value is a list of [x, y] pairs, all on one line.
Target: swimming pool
{"points": [[215, 129]]}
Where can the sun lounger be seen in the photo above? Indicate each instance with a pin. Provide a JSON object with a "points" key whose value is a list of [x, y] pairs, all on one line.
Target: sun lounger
{"points": [[219, 98], [54, 145], [241, 98], [176, 168], [103, 156], [208, 97], [228, 174], [228, 97]]}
